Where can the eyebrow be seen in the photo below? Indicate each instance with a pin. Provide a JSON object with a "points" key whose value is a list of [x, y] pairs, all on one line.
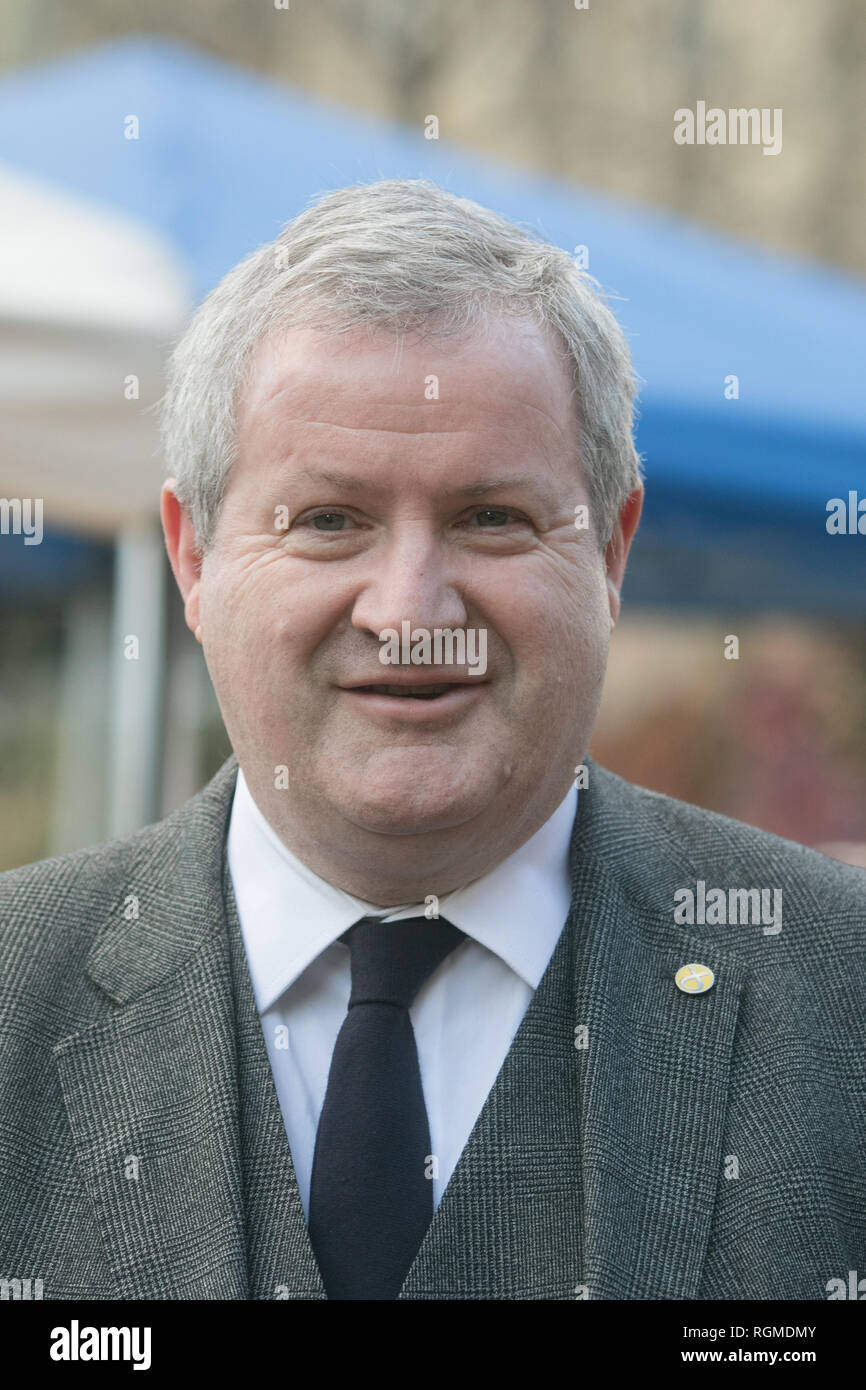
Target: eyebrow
{"points": [[478, 488]]}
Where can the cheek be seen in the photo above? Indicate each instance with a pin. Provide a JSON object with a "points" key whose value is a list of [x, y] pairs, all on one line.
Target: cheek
{"points": [[240, 635], [264, 630], [559, 623], [252, 605]]}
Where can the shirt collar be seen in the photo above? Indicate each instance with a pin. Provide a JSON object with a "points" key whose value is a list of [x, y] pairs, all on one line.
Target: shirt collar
{"points": [[289, 915]]}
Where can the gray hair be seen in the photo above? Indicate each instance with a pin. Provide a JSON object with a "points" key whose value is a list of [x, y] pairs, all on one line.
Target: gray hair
{"points": [[399, 254]]}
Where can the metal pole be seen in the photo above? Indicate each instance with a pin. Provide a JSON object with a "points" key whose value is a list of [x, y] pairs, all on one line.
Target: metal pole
{"points": [[79, 809], [137, 677]]}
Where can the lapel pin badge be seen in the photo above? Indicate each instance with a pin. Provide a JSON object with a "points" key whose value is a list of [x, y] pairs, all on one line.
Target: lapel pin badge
{"points": [[694, 979]]}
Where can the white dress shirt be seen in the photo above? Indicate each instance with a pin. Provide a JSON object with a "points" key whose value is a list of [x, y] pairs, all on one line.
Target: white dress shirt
{"points": [[464, 1017]]}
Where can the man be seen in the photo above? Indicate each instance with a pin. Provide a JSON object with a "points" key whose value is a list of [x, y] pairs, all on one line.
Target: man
{"points": [[414, 1000]]}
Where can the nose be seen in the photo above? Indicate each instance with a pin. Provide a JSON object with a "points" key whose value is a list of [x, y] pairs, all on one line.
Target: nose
{"points": [[412, 578]]}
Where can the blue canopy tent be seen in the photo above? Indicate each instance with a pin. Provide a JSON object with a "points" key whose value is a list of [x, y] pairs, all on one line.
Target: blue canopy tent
{"points": [[737, 488]]}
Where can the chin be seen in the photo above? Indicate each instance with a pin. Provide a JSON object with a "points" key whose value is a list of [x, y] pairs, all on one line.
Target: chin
{"points": [[416, 810]]}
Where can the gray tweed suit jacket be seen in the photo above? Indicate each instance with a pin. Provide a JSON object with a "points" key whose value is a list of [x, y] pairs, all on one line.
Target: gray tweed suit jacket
{"points": [[708, 1146]]}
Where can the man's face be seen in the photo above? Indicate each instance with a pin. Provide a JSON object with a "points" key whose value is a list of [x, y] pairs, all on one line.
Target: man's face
{"points": [[450, 510]]}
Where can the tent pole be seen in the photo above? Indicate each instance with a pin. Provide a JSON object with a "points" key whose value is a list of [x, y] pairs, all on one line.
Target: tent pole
{"points": [[78, 803], [137, 678]]}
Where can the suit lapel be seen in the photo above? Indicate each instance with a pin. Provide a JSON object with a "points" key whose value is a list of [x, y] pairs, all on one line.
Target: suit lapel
{"points": [[281, 1261], [653, 1100], [591, 1171], [151, 1094]]}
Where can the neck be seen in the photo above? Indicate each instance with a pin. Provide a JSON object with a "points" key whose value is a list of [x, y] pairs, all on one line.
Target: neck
{"points": [[392, 870]]}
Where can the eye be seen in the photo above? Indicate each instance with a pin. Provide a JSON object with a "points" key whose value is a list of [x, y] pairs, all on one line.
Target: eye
{"points": [[494, 518], [327, 521]]}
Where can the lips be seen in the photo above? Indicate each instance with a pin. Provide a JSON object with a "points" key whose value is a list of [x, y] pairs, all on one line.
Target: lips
{"points": [[408, 692], [408, 700]]}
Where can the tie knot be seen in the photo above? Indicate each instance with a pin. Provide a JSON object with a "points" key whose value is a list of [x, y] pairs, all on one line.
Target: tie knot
{"points": [[392, 960]]}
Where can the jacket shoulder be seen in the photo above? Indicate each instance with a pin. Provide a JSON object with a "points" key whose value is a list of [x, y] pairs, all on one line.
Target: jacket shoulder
{"points": [[56, 906], [660, 844]]}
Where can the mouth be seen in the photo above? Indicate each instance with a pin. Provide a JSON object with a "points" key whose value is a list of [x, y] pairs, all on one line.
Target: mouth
{"points": [[413, 701], [409, 692]]}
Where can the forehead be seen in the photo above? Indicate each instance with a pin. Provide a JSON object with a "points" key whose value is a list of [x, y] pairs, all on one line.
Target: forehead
{"points": [[506, 374]]}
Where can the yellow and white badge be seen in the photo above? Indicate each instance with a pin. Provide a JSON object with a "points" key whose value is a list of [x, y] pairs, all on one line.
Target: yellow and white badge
{"points": [[694, 979]]}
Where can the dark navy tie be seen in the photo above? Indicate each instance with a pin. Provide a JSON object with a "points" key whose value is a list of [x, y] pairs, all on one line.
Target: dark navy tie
{"points": [[371, 1200]]}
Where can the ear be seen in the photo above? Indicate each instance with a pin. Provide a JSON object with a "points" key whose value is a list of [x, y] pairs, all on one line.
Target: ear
{"points": [[617, 548], [182, 552]]}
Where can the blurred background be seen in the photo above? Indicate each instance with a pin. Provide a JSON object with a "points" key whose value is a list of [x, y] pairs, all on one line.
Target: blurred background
{"points": [[145, 148]]}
